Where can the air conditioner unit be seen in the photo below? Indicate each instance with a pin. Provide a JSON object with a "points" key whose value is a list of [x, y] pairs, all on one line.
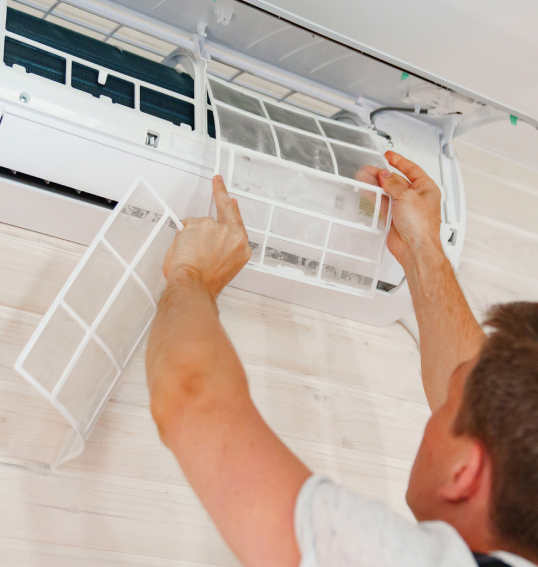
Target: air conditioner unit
{"points": [[96, 96]]}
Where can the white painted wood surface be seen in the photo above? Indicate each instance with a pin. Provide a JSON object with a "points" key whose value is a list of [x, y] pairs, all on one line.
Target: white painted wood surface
{"points": [[346, 397]]}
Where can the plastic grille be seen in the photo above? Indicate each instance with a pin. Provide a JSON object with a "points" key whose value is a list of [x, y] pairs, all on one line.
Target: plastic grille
{"points": [[166, 107], [119, 91], [99, 53], [34, 60]]}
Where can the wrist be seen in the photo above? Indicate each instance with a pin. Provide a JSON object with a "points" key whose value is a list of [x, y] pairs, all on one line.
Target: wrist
{"points": [[424, 256], [187, 278]]}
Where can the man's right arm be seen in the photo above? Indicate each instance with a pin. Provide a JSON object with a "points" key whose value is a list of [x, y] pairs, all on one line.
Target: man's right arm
{"points": [[449, 332]]}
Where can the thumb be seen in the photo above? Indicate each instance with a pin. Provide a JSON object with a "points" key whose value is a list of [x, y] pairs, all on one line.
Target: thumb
{"points": [[184, 223], [392, 183]]}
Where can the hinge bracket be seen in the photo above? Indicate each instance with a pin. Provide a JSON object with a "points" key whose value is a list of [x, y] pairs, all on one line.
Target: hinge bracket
{"points": [[200, 49], [446, 139], [486, 115]]}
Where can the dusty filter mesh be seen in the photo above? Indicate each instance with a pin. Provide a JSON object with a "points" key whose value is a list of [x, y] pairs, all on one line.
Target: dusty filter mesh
{"points": [[307, 190], [95, 325]]}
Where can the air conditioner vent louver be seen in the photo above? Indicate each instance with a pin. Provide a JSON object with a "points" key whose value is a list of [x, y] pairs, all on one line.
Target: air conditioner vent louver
{"points": [[57, 188]]}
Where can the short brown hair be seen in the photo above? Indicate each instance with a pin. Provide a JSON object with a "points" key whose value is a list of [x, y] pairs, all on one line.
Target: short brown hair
{"points": [[500, 409]]}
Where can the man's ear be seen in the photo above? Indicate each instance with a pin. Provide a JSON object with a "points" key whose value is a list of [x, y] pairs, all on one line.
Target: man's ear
{"points": [[466, 475]]}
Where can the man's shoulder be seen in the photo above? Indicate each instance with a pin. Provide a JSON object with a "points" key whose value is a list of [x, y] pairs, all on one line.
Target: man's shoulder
{"points": [[335, 526]]}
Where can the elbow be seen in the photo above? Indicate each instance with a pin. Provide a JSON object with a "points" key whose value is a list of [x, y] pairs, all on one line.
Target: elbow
{"points": [[183, 397], [163, 418], [176, 400], [172, 397]]}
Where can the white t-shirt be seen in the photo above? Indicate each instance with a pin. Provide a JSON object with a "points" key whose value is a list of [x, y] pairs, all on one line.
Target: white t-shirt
{"points": [[337, 528]]}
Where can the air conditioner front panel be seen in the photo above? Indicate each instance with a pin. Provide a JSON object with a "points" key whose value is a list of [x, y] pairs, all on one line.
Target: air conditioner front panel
{"points": [[89, 165]]}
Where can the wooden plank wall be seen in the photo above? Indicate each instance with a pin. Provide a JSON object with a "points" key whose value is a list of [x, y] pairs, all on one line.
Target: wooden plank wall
{"points": [[346, 397]]}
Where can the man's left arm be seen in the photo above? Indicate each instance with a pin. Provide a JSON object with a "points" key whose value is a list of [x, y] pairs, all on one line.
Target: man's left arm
{"points": [[247, 479]]}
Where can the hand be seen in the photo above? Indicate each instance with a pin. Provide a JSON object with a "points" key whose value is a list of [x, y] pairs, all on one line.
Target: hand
{"points": [[416, 209], [368, 174], [207, 251]]}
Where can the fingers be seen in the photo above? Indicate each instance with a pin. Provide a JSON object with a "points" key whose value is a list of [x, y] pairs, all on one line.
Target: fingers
{"points": [[411, 170], [392, 183], [227, 210], [371, 170], [384, 210], [368, 174]]}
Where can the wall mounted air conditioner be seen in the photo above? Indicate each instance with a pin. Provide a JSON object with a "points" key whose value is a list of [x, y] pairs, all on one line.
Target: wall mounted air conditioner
{"points": [[94, 94], [140, 103]]}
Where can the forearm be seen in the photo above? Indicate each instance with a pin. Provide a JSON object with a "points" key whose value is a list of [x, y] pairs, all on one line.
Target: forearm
{"points": [[189, 357], [243, 474], [449, 332]]}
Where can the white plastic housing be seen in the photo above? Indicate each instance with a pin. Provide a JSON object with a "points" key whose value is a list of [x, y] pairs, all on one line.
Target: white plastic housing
{"points": [[69, 137]]}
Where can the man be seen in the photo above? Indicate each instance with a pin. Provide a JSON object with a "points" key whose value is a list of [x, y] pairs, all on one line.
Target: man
{"points": [[474, 484]]}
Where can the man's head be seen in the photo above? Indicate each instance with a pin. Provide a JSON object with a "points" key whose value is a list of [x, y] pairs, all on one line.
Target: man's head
{"points": [[477, 466]]}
